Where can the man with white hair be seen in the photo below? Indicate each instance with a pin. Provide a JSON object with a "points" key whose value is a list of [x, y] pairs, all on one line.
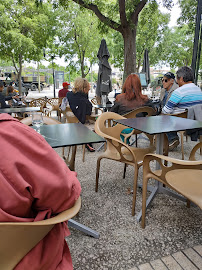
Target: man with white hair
{"points": [[187, 95]]}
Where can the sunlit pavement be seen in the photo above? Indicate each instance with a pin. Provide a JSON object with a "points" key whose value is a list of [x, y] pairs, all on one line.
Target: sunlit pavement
{"points": [[49, 93]]}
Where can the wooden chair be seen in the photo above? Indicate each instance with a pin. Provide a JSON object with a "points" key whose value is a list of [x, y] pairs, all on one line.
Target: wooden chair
{"points": [[118, 150], [50, 121], [39, 102], [144, 111], [71, 118], [47, 121], [18, 238], [55, 106], [183, 176], [96, 101]]}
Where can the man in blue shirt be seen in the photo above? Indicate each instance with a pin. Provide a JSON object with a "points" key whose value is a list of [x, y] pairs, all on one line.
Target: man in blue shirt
{"points": [[187, 95]]}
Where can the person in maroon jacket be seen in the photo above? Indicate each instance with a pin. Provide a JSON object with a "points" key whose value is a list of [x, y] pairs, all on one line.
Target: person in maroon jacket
{"points": [[35, 184], [63, 92]]}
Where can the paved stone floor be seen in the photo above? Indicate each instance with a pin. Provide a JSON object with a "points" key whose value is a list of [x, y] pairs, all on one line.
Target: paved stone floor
{"points": [[172, 231], [170, 226]]}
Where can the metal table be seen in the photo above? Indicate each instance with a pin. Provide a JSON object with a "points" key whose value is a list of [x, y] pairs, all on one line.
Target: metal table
{"points": [[70, 134], [20, 110], [158, 125]]}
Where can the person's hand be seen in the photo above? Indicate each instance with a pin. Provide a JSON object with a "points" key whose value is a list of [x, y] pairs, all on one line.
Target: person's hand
{"points": [[15, 97]]}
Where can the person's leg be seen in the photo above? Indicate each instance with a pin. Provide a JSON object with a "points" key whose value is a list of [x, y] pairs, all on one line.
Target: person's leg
{"points": [[90, 147], [172, 135], [173, 139]]}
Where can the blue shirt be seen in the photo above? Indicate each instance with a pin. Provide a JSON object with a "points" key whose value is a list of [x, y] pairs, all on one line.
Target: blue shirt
{"points": [[183, 97]]}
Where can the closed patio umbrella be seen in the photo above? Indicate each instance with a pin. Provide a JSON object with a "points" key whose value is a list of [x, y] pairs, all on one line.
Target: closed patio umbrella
{"points": [[146, 67], [104, 85]]}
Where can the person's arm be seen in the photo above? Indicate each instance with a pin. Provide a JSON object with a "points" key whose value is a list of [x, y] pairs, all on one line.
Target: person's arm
{"points": [[172, 103], [8, 98], [115, 107]]}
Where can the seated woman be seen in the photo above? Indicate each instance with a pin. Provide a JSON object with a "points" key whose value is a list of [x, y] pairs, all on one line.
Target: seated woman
{"points": [[131, 97], [79, 103]]}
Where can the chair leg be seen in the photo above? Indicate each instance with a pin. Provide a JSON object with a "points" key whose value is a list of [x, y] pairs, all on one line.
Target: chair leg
{"points": [[68, 152], [97, 174], [105, 146], [201, 147], [182, 143], [144, 199], [124, 172], [188, 203], [83, 159], [134, 189], [71, 161], [63, 152]]}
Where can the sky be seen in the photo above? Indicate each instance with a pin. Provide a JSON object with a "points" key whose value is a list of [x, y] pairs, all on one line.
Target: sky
{"points": [[175, 13]]}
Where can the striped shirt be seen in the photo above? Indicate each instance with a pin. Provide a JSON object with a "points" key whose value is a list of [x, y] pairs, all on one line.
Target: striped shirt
{"points": [[183, 97]]}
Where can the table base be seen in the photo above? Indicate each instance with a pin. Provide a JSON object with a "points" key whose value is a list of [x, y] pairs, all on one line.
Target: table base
{"points": [[74, 224], [159, 189]]}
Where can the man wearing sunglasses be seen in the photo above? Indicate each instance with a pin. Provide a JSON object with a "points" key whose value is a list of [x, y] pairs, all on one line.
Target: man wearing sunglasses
{"points": [[169, 85]]}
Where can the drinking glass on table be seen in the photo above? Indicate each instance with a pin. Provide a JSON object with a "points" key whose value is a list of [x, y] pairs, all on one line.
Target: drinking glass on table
{"points": [[37, 120]]}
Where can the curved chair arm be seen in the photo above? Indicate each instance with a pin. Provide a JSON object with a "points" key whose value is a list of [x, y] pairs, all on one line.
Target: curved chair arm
{"points": [[149, 111], [18, 238], [46, 119], [160, 174], [127, 135], [59, 218], [193, 152]]}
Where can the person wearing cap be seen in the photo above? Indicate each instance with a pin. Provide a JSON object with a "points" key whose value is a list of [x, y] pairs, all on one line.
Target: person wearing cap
{"points": [[169, 85], [187, 95], [63, 92]]}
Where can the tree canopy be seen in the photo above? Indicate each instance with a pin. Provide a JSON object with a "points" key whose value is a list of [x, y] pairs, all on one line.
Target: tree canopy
{"points": [[79, 38], [25, 30]]}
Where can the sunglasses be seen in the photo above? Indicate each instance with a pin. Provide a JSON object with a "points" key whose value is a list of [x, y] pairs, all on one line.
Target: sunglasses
{"points": [[164, 80]]}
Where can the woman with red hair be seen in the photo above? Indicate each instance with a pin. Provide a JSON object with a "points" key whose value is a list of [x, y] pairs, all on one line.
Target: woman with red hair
{"points": [[131, 97]]}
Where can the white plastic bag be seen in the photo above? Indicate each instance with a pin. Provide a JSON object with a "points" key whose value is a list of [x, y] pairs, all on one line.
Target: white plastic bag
{"points": [[64, 104]]}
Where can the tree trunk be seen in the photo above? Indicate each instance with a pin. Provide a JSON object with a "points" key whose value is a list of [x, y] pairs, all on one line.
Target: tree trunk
{"points": [[82, 65], [129, 36], [138, 65], [82, 70], [20, 74]]}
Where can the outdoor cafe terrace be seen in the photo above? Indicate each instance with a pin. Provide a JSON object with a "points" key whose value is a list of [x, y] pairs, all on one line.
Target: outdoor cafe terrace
{"points": [[170, 226], [172, 238]]}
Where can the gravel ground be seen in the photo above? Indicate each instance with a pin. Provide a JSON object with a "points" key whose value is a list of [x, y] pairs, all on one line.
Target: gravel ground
{"points": [[123, 244]]}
